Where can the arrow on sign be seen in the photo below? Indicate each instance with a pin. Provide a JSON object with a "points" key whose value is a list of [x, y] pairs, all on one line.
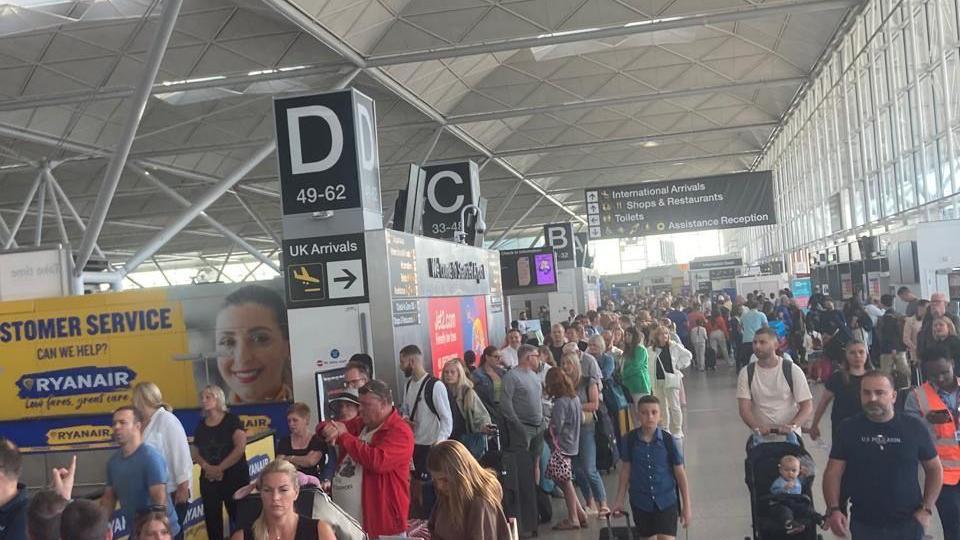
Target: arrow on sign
{"points": [[348, 277]]}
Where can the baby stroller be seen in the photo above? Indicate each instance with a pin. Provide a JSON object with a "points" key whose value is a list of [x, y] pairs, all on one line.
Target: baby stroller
{"points": [[761, 465]]}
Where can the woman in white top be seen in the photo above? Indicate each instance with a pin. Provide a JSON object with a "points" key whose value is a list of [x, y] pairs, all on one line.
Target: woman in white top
{"points": [[163, 431], [666, 359]]}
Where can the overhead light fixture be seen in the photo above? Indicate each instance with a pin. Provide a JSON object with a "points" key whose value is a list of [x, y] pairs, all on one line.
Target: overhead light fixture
{"points": [[650, 144], [195, 80], [275, 70]]}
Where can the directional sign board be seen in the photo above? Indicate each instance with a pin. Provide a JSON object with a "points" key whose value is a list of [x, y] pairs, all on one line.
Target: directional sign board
{"points": [[674, 206], [325, 271], [327, 152], [447, 189], [559, 236]]}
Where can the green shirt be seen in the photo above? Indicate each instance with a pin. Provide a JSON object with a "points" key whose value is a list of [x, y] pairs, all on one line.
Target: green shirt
{"points": [[636, 374]]}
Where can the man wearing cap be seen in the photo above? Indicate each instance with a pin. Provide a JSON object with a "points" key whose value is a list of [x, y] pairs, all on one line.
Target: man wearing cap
{"points": [[372, 482]]}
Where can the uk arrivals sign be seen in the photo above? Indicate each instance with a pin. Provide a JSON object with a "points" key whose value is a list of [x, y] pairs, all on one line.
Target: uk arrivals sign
{"points": [[694, 204]]}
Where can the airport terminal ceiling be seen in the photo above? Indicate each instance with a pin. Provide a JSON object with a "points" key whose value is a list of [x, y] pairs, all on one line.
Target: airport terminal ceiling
{"points": [[548, 96]]}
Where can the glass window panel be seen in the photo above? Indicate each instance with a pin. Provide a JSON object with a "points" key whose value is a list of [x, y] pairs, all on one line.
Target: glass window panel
{"points": [[889, 192], [858, 204], [908, 187], [948, 14], [873, 196], [930, 176]]}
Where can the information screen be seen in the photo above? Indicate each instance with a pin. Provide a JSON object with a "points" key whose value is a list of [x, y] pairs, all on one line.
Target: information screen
{"points": [[526, 271]]}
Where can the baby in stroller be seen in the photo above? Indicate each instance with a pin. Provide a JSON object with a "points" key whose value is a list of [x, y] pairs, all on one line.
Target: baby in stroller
{"points": [[780, 477], [793, 512]]}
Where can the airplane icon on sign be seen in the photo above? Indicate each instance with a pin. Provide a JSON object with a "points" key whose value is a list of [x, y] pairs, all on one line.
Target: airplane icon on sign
{"points": [[306, 279]]}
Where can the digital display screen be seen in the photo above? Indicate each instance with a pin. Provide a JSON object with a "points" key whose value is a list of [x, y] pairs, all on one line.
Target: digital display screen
{"points": [[525, 271], [546, 274]]}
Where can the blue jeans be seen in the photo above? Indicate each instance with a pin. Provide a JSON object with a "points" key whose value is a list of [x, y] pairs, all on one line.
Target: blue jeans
{"points": [[585, 474], [907, 530]]}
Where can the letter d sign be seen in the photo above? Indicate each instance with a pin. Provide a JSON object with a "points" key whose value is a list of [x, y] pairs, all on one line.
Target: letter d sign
{"points": [[327, 152], [294, 116]]}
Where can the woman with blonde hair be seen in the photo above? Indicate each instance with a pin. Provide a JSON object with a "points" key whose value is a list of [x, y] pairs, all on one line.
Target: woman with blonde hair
{"points": [[586, 476], [945, 338], [220, 443], [163, 431], [471, 421], [279, 488], [469, 497]]}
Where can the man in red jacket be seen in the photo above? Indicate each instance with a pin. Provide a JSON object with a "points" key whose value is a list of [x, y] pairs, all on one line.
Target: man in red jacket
{"points": [[372, 482]]}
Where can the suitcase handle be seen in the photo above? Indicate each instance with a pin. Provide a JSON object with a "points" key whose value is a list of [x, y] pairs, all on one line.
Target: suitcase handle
{"points": [[626, 516]]}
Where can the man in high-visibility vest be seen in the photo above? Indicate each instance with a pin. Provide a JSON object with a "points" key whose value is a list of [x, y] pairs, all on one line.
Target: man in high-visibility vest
{"points": [[937, 402]]}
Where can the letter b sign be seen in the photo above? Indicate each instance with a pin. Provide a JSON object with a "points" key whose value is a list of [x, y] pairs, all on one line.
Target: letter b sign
{"points": [[559, 236]]}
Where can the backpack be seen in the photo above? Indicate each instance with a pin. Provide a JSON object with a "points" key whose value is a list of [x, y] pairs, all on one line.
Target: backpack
{"points": [[671, 446], [890, 331], [426, 387], [785, 364]]}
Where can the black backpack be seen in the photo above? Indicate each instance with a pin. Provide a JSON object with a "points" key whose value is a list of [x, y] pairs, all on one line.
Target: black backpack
{"points": [[890, 331], [425, 388], [671, 446], [786, 365]]}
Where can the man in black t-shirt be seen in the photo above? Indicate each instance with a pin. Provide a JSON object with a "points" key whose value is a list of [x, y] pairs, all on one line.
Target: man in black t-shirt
{"points": [[876, 456], [557, 341]]}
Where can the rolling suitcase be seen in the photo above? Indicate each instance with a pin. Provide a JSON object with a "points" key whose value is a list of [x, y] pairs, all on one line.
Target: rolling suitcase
{"points": [[610, 532]]}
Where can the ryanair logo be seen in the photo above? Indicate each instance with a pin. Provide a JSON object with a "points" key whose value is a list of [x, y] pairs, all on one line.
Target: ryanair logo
{"points": [[75, 382], [256, 464], [194, 514], [254, 424], [79, 435]]}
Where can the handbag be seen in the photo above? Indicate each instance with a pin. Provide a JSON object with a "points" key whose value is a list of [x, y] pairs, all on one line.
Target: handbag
{"points": [[476, 443], [671, 381], [559, 468]]}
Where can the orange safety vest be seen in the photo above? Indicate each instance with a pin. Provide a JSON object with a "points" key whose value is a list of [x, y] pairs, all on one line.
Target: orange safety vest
{"points": [[945, 436]]}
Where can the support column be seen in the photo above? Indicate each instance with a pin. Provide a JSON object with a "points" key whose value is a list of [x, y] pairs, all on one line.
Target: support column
{"points": [[257, 219], [72, 210], [64, 237], [41, 202], [191, 213], [24, 208], [515, 223], [168, 19], [172, 193]]}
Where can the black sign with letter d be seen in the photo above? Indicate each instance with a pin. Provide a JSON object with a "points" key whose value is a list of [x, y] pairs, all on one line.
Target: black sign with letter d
{"points": [[326, 149]]}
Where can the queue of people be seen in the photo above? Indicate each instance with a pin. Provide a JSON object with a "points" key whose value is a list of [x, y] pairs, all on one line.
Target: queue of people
{"points": [[386, 460]]}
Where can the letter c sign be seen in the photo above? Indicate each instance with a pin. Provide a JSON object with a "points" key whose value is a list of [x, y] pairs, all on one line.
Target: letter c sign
{"points": [[294, 115], [432, 192]]}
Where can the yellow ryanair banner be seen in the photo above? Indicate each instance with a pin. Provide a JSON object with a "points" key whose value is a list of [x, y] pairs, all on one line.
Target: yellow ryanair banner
{"points": [[82, 355]]}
